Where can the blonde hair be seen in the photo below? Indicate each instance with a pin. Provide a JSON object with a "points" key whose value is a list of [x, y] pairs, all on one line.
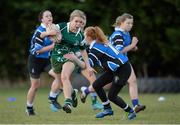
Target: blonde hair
{"points": [[77, 13], [97, 34], [122, 18]]}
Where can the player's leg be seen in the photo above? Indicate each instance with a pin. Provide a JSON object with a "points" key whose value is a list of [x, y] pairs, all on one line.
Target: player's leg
{"points": [[119, 80], [98, 85], [94, 98], [85, 91], [35, 84], [35, 67], [113, 96], [55, 87], [133, 91], [68, 91], [56, 90]]}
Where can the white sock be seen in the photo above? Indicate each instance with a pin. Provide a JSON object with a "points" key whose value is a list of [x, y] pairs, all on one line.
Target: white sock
{"points": [[29, 104], [53, 94]]}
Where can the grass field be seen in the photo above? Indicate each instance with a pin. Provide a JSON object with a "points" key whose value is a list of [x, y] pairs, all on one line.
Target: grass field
{"points": [[13, 111]]}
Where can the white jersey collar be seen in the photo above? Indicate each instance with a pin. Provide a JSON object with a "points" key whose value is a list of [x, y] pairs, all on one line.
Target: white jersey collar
{"points": [[92, 43], [118, 29], [44, 26], [68, 26]]}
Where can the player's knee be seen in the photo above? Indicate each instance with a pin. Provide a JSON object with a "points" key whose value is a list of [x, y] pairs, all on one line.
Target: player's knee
{"points": [[119, 81], [132, 80], [35, 87], [111, 97], [95, 87], [64, 77]]}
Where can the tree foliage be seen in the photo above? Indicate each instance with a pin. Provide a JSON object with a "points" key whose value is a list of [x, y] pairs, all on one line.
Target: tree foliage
{"points": [[157, 25]]}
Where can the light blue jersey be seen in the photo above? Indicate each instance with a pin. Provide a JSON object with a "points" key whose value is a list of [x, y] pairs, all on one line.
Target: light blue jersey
{"points": [[38, 43], [120, 39]]}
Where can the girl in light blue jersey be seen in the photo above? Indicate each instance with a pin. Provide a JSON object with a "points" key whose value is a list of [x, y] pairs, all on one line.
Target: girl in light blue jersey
{"points": [[122, 41], [39, 57]]}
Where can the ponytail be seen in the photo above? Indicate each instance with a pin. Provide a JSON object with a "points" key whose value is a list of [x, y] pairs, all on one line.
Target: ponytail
{"points": [[97, 34], [100, 36]]}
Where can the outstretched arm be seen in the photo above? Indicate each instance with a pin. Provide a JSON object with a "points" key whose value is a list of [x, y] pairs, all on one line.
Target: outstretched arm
{"points": [[86, 60], [44, 49], [74, 58]]}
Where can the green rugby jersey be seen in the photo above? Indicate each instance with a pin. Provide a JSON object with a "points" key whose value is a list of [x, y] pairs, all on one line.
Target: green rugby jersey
{"points": [[71, 42]]}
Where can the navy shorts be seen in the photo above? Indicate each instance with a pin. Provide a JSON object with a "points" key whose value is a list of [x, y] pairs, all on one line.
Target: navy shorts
{"points": [[38, 65]]}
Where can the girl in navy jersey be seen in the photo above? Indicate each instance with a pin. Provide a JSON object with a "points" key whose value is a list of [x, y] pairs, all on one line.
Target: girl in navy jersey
{"points": [[116, 70]]}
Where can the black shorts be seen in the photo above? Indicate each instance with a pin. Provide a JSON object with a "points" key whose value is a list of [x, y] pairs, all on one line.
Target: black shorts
{"points": [[122, 73], [38, 65], [118, 78]]}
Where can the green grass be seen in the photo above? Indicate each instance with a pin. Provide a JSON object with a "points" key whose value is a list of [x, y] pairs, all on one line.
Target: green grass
{"points": [[166, 112]]}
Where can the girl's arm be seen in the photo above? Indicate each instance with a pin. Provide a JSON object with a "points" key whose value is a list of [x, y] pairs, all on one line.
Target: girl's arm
{"points": [[74, 58], [86, 60], [56, 38], [131, 46], [49, 31], [135, 48], [44, 49]]}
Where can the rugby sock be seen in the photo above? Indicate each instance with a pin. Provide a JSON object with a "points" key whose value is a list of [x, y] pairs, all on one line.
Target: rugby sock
{"points": [[29, 105], [29, 108], [87, 91], [106, 105], [135, 102], [128, 109], [68, 101], [53, 95], [93, 98]]}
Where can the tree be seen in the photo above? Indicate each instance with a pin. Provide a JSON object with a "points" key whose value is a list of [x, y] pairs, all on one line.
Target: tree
{"points": [[156, 24]]}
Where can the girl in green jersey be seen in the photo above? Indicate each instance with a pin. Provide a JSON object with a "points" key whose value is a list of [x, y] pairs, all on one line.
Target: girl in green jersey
{"points": [[72, 42]]}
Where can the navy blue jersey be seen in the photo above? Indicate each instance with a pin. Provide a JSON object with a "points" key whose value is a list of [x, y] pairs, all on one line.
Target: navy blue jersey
{"points": [[106, 56], [120, 39], [38, 43]]}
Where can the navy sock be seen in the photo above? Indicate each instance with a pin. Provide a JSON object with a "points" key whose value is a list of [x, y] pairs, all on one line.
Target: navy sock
{"points": [[28, 107], [135, 102], [87, 91]]}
